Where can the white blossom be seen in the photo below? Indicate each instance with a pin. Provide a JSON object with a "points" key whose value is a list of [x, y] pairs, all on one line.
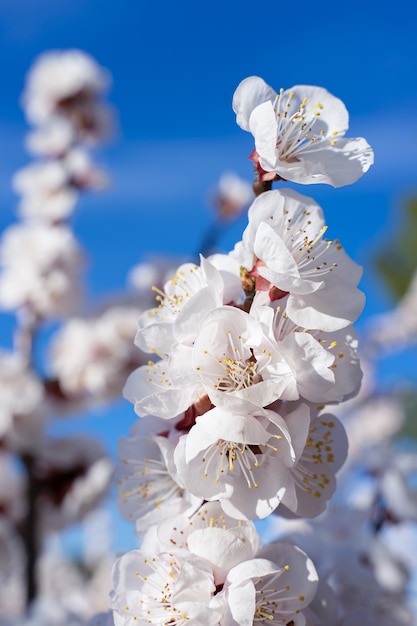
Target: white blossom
{"points": [[46, 191], [66, 84], [232, 196], [316, 465], [325, 365], [171, 587], [273, 590], [299, 133], [40, 269], [235, 360], [209, 533], [149, 488], [184, 302], [283, 249], [53, 139], [242, 459], [92, 356]]}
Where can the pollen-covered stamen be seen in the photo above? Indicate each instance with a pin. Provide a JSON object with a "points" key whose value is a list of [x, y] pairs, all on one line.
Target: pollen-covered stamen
{"points": [[177, 292], [240, 372], [227, 456], [271, 592], [174, 301], [156, 372], [299, 129], [153, 485], [282, 324], [271, 447], [310, 472], [311, 482], [303, 246], [310, 253], [155, 605]]}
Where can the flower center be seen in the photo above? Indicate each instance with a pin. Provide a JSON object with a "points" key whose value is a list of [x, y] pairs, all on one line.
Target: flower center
{"points": [[178, 291], [239, 374], [226, 456], [156, 602], [275, 603], [152, 485], [298, 129]]}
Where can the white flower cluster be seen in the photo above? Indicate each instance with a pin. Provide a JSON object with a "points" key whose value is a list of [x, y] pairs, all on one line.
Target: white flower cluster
{"points": [[91, 357], [246, 350], [40, 258], [48, 483]]}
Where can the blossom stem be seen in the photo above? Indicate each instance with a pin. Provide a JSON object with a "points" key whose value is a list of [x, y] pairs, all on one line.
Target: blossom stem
{"points": [[29, 529]]}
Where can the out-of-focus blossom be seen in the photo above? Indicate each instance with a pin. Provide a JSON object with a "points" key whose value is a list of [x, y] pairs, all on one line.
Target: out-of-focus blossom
{"points": [[40, 267], [396, 481], [299, 134], [22, 393], [102, 619], [75, 473], [82, 172], [48, 612], [241, 458], [50, 189], [153, 272], [367, 577], [91, 357], [53, 139], [233, 195], [386, 615], [397, 329], [78, 590], [371, 423], [67, 84], [45, 191]]}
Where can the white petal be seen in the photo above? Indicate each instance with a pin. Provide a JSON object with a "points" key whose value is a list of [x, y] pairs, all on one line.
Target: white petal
{"points": [[248, 94], [338, 165]]}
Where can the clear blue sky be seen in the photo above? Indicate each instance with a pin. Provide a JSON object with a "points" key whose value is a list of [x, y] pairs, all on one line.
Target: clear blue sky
{"points": [[175, 66]]}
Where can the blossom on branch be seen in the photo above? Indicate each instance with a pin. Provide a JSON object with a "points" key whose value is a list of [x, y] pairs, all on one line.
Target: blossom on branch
{"points": [[283, 249], [299, 134], [67, 85]]}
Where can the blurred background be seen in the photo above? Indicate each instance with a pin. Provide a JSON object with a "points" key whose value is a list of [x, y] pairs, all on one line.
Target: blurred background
{"points": [[174, 68]]}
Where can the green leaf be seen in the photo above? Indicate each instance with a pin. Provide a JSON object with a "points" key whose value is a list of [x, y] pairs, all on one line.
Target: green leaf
{"points": [[397, 262]]}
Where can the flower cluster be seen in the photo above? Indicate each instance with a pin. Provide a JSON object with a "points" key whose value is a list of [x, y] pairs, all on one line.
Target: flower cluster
{"points": [[49, 482], [40, 258], [248, 351]]}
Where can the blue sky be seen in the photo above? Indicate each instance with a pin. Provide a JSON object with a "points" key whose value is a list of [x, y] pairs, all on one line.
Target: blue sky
{"points": [[175, 66]]}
